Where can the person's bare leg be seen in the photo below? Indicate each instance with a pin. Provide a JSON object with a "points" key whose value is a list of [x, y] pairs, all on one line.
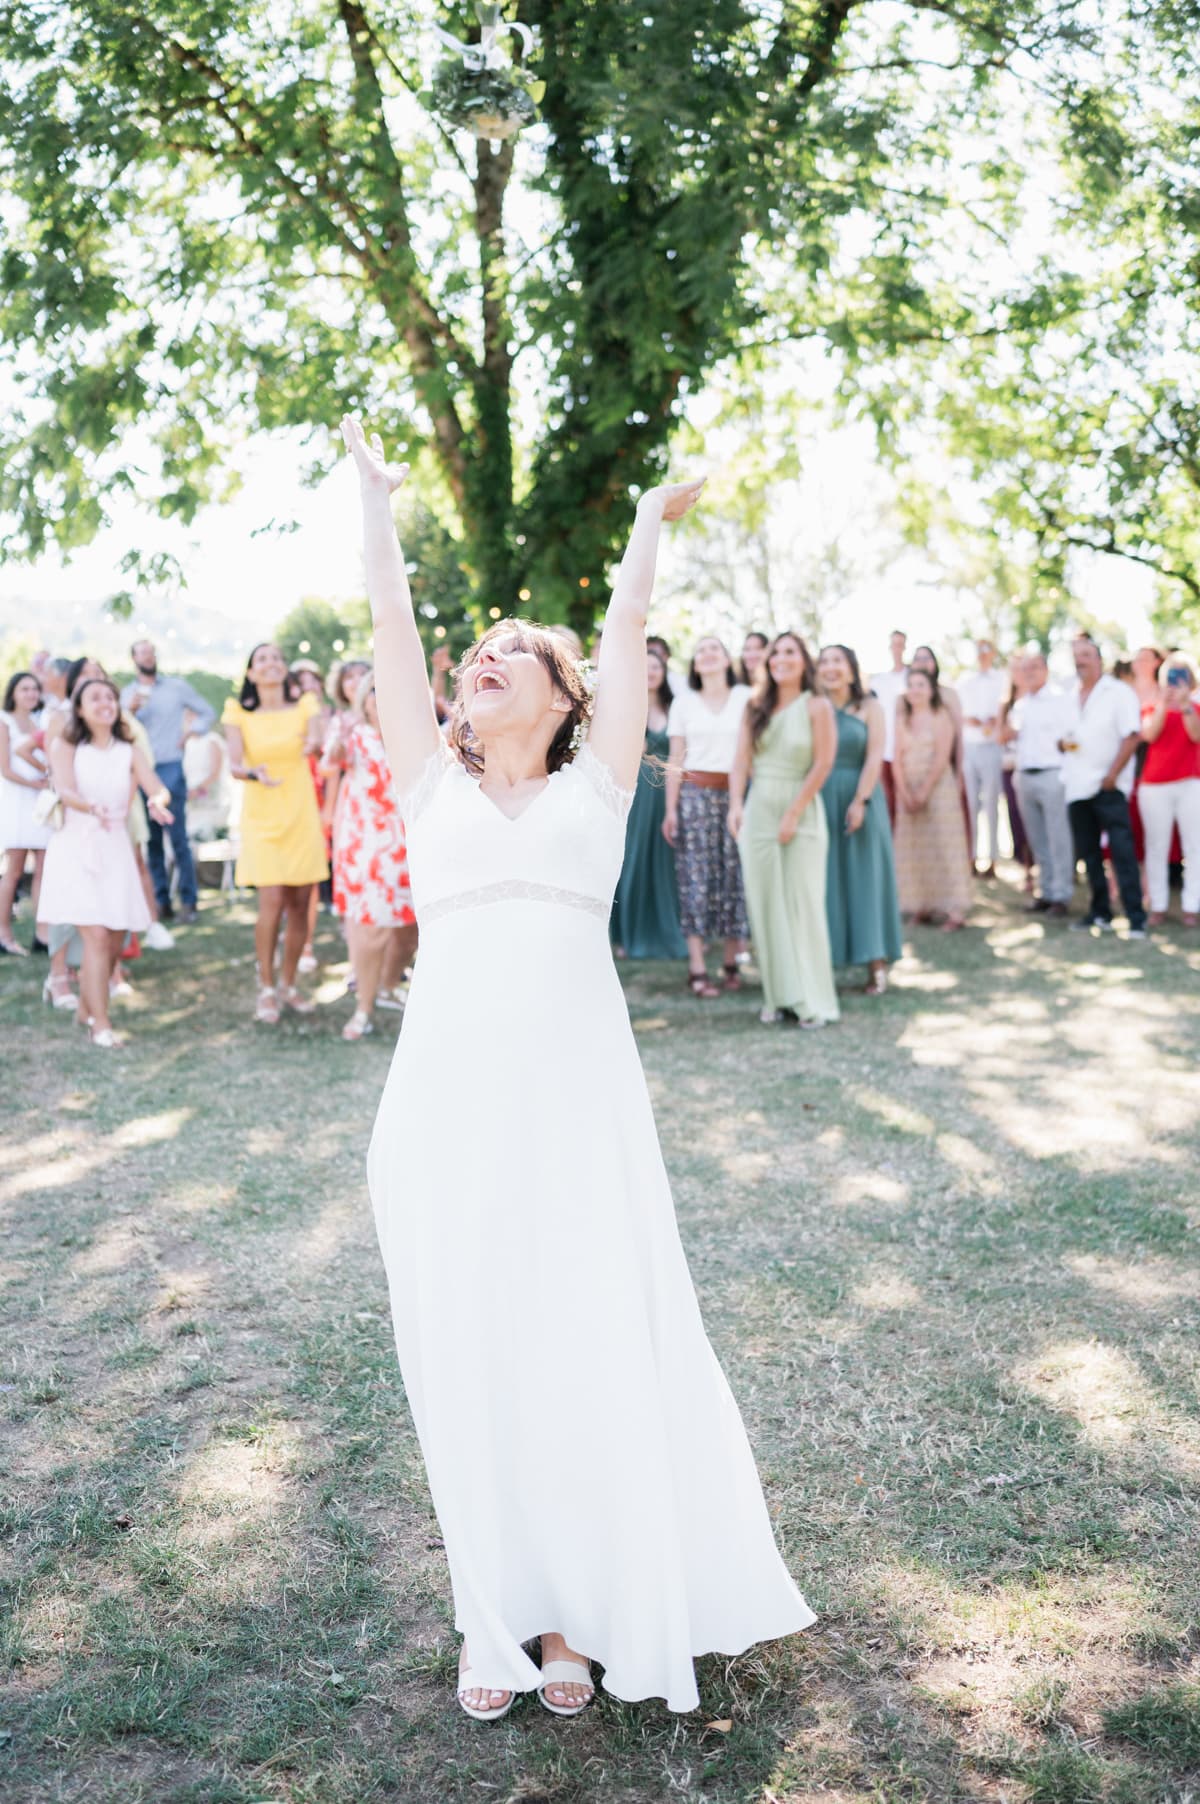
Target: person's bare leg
{"points": [[566, 1692], [266, 931], [39, 865], [295, 930], [398, 955], [695, 946], [147, 882], [314, 909], [14, 864], [368, 949], [94, 977]]}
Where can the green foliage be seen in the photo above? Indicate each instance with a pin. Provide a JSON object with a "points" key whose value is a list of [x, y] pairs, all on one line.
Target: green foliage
{"points": [[1164, 1723], [230, 218], [315, 629]]}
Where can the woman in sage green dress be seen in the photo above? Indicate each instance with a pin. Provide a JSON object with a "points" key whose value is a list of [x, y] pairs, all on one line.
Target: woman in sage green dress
{"points": [[787, 744], [645, 915], [861, 897]]}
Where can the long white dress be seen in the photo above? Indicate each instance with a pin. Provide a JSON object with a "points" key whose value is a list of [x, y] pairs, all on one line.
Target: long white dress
{"points": [[587, 1462]]}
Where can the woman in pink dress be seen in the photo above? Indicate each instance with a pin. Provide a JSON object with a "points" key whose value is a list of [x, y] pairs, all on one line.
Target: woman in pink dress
{"points": [[370, 861], [91, 877]]}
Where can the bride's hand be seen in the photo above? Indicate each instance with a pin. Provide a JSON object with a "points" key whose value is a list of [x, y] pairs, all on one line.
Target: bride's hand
{"points": [[674, 498], [374, 471]]}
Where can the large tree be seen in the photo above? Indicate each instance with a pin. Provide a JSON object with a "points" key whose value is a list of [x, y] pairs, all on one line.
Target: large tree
{"points": [[243, 216]]}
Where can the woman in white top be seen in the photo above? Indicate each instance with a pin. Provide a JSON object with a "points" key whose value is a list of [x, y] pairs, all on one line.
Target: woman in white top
{"points": [[703, 726], [209, 788], [22, 781]]}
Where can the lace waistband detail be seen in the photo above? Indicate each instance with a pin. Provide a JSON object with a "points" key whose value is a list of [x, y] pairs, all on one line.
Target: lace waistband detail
{"points": [[513, 892]]}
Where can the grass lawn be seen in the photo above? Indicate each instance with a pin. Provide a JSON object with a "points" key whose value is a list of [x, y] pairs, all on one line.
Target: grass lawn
{"points": [[946, 1251]]}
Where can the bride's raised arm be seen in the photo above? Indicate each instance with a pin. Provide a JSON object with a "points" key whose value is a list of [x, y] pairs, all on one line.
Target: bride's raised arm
{"points": [[618, 730], [406, 711]]}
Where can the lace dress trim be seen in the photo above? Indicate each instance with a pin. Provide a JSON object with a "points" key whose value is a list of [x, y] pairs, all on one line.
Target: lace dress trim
{"points": [[514, 891], [416, 798], [618, 801]]}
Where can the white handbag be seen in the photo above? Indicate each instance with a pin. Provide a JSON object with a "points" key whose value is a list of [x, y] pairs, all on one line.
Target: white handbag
{"points": [[48, 810]]}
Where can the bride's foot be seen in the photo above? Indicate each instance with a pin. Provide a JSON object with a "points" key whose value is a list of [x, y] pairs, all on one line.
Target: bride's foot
{"points": [[480, 1701], [560, 1694]]}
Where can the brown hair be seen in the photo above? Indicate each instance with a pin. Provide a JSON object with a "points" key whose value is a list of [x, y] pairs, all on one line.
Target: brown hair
{"points": [[565, 672], [694, 679], [935, 693], [77, 731], [761, 705]]}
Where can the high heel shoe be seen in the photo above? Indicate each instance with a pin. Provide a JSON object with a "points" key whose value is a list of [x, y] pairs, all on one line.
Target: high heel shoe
{"points": [[57, 992]]}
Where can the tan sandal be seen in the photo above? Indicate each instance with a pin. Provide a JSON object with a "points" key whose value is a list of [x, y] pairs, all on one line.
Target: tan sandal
{"points": [[266, 1009]]}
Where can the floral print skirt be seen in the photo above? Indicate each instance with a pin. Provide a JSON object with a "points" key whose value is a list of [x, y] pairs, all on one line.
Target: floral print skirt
{"points": [[712, 903]]}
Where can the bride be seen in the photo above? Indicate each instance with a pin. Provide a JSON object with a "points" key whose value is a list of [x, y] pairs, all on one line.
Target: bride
{"points": [[591, 1475]]}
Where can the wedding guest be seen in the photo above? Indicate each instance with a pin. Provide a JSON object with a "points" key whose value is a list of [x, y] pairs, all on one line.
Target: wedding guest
{"points": [[1169, 789], [654, 642], [1038, 720], [861, 901], [306, 674], [1097, 777], [270, 731], [981, 695], [645, 916], [754, 652], [786, 745], [160, 702], [932, 872], [55, 694], [91, 879], [1022, 849], [1147, 662], [703, 728], [888, 686], [23, 783], [371, 890], [209, 791]]}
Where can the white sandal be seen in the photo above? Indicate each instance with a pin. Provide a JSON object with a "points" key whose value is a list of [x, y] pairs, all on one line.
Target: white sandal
{"points": [[566, 1672], [468, 1682], [266, 1007], [358, 1026]]}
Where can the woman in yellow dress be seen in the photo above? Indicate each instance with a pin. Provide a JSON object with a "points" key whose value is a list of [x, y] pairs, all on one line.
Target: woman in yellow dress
{"points": [[270, 730]]}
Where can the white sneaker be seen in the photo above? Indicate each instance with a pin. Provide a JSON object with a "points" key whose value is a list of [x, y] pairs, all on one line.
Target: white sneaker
{"points": [[158, 938]]}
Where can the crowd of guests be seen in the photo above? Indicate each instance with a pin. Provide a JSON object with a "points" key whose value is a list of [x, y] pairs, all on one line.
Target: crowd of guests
{"points": [[788, 809]]}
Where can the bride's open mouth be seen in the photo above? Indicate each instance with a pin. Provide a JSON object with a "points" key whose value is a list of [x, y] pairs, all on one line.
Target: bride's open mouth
{"points": [[490, 682]]}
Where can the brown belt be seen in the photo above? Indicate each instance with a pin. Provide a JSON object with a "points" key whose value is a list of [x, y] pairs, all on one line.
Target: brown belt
{"points": [[707, 779]]}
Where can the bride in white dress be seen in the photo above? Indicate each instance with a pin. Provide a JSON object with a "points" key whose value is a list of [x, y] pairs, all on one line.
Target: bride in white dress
{"points": [[547, 1329]]}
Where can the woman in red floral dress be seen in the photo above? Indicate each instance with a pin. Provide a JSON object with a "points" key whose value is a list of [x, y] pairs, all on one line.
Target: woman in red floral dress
{"points": [[370, 863]]}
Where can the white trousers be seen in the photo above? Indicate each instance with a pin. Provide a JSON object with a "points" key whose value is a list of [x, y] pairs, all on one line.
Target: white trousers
{"points": [[1163, 807], [983, 772], [1044, 811]]}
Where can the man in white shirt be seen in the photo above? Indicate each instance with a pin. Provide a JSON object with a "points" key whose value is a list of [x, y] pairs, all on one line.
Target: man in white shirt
{"points": [[983, 757], [1098, 778], [1037, 723], [888, 687]]}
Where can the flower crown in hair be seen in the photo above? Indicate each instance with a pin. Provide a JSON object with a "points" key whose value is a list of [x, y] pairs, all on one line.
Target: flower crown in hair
{"points": [[587, 672]]}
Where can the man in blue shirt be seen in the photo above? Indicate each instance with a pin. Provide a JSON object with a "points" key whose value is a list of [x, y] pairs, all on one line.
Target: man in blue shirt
{"points": [[160, 703]]}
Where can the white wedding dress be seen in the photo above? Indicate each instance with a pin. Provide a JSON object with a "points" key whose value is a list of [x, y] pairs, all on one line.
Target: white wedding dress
{"points": [[587, 1462]]}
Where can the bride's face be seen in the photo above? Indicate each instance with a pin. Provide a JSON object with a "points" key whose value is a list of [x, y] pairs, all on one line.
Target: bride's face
{"points": [[508, 690]]}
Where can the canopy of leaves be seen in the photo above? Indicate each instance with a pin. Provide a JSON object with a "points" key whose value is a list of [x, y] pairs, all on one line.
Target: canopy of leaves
{"points": [[232, 217]]}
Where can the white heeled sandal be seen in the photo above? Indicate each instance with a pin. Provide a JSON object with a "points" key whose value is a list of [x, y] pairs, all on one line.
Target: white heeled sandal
{"points": [[566, 1672], [468, 1682]]}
